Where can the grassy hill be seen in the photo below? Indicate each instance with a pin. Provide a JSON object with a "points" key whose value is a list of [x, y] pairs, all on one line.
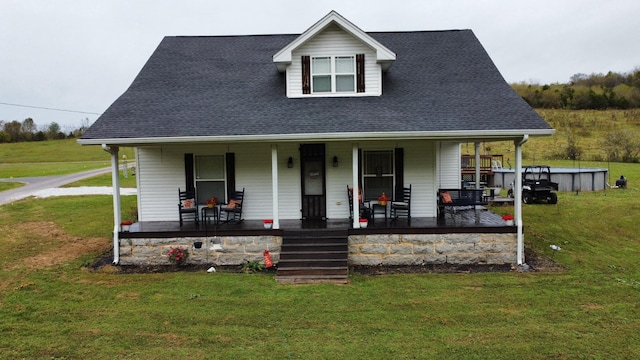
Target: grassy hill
{"points": [[584, 129], [53, 157], [56, 151]]}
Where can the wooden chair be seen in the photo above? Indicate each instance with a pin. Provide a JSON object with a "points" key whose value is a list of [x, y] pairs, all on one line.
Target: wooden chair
{"points": [[364, 208], [187, 205], [233, 209], [402, 207]]}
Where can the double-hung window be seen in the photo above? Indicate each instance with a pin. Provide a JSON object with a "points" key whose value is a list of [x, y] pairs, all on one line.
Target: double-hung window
{"points": [[210, 177], [332, 74], [377, 173]]}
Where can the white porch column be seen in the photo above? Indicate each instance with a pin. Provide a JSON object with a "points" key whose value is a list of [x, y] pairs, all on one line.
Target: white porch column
{"points": [[274, 186], [117, 215], [517, 197], [354, 181], [477, 167]]}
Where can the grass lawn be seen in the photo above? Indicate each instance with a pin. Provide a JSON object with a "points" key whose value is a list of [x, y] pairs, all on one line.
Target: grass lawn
{"points": [[59, 157], [53, 307]]}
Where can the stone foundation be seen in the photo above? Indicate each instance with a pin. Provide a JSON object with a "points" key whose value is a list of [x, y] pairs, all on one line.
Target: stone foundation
{"points": [[370, 250], [220, 250], [427, 249]]}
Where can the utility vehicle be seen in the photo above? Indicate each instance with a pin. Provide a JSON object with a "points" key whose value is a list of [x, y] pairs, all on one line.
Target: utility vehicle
{"points": [[537, 185]]}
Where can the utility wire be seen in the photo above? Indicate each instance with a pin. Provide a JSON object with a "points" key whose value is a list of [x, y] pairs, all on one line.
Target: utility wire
{"points": [[47, 108]]}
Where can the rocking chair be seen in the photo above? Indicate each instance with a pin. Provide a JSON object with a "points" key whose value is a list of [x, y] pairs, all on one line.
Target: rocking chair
{"points": [[233, 209], [187, 204]]}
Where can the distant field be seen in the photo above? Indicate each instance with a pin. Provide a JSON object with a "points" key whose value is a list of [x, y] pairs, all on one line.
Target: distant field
{"points": [[587, 127], [55, 151], [47, 158]]}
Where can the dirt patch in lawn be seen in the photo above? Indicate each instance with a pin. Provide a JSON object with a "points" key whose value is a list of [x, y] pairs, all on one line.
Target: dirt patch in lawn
{"points": [[51, 245]]}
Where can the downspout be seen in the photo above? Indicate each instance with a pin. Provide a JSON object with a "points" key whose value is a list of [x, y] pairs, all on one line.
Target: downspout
{"points": [[117, 216], [517, 194]]}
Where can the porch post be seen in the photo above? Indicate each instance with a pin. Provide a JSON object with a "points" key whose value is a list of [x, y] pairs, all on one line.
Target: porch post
{"points": [[477, 167], [117, 216], [354, 194], [274, 186], [517, 196]]}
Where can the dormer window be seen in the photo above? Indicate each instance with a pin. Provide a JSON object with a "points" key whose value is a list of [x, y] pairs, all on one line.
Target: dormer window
{"points": [[329, 60], [333, 74]]}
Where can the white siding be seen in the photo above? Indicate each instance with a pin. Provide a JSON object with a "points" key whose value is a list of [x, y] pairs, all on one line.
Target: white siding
{"points": [[448, 167], [338, 178], [333, 41], [419, 172], [289, 182], [160, 172]]}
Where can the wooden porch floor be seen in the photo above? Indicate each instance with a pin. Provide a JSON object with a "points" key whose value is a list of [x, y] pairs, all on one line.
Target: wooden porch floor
{"points": [[465, 221]]}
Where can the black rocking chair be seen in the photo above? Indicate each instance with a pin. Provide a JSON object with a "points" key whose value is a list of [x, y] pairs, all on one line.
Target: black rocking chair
{"points": [[402, 206], [187, 205], [233, 209]]}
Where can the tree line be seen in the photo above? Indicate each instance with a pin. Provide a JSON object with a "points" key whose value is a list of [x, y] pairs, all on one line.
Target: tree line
{"points": [[585, 92], [27, 130]]}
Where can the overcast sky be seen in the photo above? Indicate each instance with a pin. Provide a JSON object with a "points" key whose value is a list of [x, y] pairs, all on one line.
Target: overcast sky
{"points": [[81, 55]]}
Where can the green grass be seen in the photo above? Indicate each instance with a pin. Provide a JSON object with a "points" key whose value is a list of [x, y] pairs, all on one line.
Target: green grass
{"points": [[588, 310], [54, 151], [587, 127], [59, 157], [4, 186], [105, 180]]}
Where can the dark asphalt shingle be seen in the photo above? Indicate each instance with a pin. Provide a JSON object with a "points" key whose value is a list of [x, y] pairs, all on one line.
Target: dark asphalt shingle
{"points": [[229, 85]]}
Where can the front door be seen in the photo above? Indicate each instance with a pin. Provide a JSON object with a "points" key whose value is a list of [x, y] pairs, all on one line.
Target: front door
{"points": [[312, 167]]}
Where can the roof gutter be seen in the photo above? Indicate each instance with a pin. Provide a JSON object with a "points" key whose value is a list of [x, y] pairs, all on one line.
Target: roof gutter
{"points": [[420, 135]]}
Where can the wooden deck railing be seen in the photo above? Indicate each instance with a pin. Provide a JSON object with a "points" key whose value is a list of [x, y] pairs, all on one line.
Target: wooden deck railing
{"points": [[487, 163]]}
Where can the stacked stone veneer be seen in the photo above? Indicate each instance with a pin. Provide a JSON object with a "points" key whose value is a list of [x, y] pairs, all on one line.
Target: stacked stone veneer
{"points": [[372, 249], [232, 250], [423, 249]]}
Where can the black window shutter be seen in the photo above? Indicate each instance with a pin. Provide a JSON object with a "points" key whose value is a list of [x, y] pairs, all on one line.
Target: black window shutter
{"points": [[231, 174], [188, 172], [306, 74], [360, 73], [399, 157]]}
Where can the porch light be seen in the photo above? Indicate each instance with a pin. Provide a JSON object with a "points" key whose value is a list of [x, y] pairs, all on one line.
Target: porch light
{"points": [[335, 161], [290, 162]]}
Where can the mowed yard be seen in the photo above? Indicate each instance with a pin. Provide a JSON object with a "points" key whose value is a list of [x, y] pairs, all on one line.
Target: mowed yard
{"points": [[53, 306]]}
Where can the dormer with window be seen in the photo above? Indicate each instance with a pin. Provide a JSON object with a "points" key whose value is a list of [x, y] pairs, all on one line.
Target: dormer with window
{"points": [[334, 58]]}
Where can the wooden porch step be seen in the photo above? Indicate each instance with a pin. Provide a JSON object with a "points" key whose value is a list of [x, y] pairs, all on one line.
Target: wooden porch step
{"points": [[318, 256], [311, 263], [310, 279], [314, 248], [313, 270]]}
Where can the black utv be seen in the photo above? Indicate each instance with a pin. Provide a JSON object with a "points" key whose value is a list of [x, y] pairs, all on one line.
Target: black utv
{"points": [[537, 185]]}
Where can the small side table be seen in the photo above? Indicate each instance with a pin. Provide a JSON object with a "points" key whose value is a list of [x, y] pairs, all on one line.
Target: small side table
{"points": [[379, 208], [210, 212]]}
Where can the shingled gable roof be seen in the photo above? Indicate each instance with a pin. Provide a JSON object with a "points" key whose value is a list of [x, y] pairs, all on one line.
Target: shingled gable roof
{"points": [[384, 56], [226, 88]]}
